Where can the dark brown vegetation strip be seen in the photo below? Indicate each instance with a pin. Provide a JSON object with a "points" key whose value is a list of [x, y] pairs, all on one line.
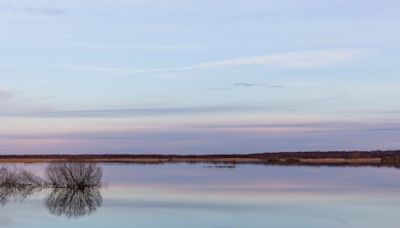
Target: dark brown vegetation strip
{"points": [[390, 157], [313, 154]]}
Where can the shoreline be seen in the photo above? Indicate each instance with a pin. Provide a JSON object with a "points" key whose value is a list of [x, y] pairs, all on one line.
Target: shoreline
{"points": [[358, 158]]}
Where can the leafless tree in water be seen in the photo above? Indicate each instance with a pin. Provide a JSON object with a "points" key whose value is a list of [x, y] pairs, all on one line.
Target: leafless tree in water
{"points": [[18, 184], [74, 175], [74, 187]]}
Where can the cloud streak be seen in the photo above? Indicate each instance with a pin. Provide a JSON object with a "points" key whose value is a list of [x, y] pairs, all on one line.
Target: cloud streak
{"points": [[287, 60], [6, 95], [137, 111], [245, 85], [46, 11], [176, 110], [220, 138], [302, 59], [121, 71]]}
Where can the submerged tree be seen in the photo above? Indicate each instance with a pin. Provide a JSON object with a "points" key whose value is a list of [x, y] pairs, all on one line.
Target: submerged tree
{"points": [[74, 175], [13, 177], [18, 184], [74, 187]]}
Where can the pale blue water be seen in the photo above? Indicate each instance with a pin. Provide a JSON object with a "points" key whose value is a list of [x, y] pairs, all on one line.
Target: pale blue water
{"points": [[247, 196]]}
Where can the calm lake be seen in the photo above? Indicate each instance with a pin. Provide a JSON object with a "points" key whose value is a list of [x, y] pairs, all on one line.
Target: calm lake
{"points": [[202, 196]]}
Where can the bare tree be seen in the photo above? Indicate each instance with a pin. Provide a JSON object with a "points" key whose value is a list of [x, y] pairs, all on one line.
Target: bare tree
{"points": [[75, 187], [13, 177], [74, 175], [18, 184]]}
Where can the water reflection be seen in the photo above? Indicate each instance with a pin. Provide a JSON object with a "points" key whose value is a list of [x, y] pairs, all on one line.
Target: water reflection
{"points": [[16, 184], [74, 202], [74, 188]]}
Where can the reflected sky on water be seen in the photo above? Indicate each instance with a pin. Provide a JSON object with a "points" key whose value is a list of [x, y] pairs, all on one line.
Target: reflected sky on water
{"points": [[183, 195]]}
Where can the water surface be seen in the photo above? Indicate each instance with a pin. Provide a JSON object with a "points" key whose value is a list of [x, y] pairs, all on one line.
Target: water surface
{"points": [[200, 195]]}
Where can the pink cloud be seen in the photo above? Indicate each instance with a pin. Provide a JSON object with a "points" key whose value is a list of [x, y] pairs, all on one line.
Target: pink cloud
{"points": [[5, 94]]}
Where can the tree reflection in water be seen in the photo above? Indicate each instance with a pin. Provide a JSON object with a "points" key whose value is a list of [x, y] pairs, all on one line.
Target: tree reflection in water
{"points": [[17, 184], [74, 187], [73, 202]]}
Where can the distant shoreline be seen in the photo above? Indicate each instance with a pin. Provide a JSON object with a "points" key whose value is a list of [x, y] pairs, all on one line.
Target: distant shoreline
{"points": [[359, 158]]}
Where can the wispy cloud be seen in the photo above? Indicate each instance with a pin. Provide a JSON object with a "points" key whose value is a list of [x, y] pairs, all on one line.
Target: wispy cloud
{"points": [[45, 11], [300, 59], [5, 94], [245, 85], [119, 71], [138, 111], [171, 47], [36, 11], [230, 137], [384, 129], [134, 111]]}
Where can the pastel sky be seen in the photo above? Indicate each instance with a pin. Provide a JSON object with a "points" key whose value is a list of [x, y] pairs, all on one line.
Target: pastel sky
{"points": [[175, 76]]}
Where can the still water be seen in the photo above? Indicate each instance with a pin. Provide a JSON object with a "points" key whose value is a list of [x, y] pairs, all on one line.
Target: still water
{"points": [[204, 196]]}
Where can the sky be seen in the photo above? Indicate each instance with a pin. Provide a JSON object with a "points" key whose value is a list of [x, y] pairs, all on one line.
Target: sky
{"points": [[198, 77]]}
